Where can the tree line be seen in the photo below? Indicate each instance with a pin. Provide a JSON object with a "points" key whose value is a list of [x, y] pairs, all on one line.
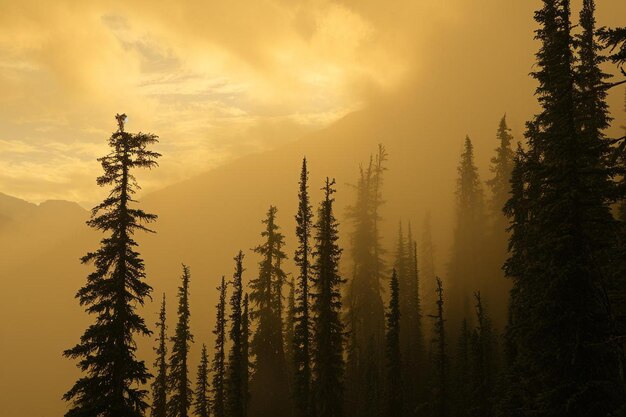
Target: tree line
{"points": [[387, 339]]}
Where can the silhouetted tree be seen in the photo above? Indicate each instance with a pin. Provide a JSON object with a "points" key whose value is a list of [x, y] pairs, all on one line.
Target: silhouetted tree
{"points": [[365, 304], [202, 403], [393, 354], [218, 387], [245, 356], [302, 326], [179, 386], [269, 387], [440, 358], [328, 332], [114, 290], [290, 322], [235, 374], [462, 373], [427, 263], [560, 290], [159, 384]]}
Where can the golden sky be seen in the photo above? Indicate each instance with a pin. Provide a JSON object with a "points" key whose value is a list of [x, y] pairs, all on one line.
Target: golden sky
{"points": [[218, 79]]}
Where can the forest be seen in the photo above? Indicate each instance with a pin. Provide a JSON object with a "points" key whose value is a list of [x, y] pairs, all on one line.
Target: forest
{"points": [[528, 319]]}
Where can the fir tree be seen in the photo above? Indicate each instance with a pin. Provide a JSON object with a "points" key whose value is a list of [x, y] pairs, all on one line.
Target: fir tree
{"points": [[501, 168], [202, 403], [466, 269], [462, 373], [394, 356], [235, 398], [328, 328], [179, 386], [218, 386], [269, 386], [440, 357], [114, 290], [159, 384], [290, 322], [560, 289], [302, 326], [245, 356], [483, 349]]}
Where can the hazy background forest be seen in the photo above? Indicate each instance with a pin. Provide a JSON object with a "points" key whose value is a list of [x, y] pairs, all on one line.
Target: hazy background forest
{"points": [[238, 93]]}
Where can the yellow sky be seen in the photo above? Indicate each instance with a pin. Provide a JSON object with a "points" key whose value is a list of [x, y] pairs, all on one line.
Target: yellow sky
{"points": [[217, 79]]}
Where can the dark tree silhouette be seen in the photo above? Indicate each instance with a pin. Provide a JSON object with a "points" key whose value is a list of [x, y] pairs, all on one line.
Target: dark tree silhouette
{"points": [[235, 374], [289, 330], [394, 357], [112, 373], [559, 292], [159, 384], [462, 373], [440, 357], [179, 386], [218, 366], [302, 327], [269, 386], [202, 402], [328, 332], [245, 356]]}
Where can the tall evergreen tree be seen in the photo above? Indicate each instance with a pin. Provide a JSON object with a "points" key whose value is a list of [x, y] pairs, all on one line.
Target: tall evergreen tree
{"points": [[202, 402], [393, 354], [218, 387], [302, 327], [159, 384], [462, 373], [235, 374], [269, 386], [501, 169], [560, 290], [114, 290], [466, 269], [427, 263], [289, 331], [245, 356], [440, 358], [365, 304], [328, 327], [179, 386]]}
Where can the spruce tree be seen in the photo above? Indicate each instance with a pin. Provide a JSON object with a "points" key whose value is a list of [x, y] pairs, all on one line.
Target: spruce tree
{"points": [[501, 168], [218, 366], [484, 362], [235, 374], [302, 326], [289, 330], [462, 373], [245, 356], [159, 384], [202, 402], [112, 373], [466, 268], [269, 385], [560, 290], [365, 304], [179, 386], [440, 358], [328, 332], [393, 354]]}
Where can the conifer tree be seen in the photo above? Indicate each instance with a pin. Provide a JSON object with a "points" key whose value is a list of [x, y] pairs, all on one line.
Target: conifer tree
{"points": [[560, 290], [501, 168], [483, 350], [202, 403], [365, 303], [289, 330], [179, 386], [218, 367], [462, 373], [302, 326], [328, 327], [114, 290], [235, 374], [269, 386], [440, 357], [245, 356], [159, 384], [427, 263], [466, 269], [393, 354]]}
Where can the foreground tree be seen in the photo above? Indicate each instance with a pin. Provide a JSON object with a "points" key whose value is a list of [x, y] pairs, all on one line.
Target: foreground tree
{"points": [[440, 358], [159, 384], [179, 385], [328, 327], [269, 386], [245, 356], [302, 326], [393, 355], [235, 374], [559, 296], [202, 403], [113, 374], [218, 387]]}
